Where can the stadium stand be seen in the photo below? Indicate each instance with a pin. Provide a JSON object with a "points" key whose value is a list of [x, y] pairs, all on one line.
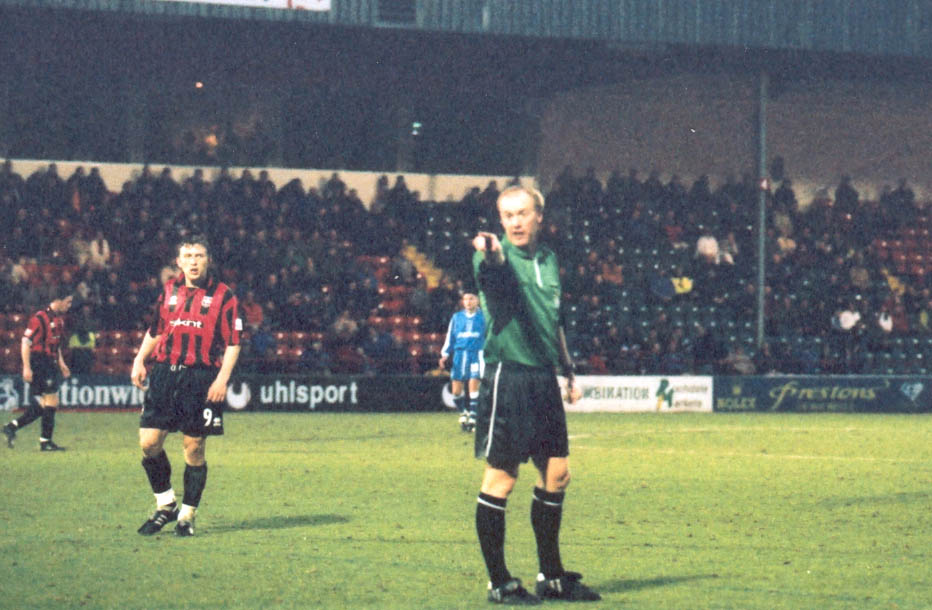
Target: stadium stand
{"points": [[659, 278]]}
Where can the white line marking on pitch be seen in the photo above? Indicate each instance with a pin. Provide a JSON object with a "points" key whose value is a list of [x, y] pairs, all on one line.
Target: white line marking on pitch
{"points": [[789, 456]]}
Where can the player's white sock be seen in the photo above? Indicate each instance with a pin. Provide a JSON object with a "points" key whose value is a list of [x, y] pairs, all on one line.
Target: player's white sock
{"points": [[165, 499], [187, 513], [473, 403]]}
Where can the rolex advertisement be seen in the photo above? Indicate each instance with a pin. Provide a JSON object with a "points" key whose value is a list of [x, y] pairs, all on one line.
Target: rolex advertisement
{"points": [[824, 394]]}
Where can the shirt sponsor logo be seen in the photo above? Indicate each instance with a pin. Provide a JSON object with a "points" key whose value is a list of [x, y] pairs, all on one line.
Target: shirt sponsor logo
{"points": [[238, 324], [173, 299], [194, 323], [206, 301]]}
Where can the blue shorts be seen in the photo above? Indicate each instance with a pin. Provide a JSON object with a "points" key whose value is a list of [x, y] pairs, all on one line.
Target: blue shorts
{"points": [[466, 365]]}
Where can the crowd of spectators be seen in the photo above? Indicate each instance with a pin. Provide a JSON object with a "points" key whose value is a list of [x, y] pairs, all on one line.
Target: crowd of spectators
{"points": [[659, 277], [663, 278], [299, 258]]}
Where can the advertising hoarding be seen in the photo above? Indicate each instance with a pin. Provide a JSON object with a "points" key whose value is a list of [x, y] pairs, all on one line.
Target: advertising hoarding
{"points": [[824, 394], [643, 394], [307, 5]]}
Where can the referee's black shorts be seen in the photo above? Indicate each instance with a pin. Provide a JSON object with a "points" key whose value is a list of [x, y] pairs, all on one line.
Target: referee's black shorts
{"points": [[46, 374], [520, 416], [177, 400]]}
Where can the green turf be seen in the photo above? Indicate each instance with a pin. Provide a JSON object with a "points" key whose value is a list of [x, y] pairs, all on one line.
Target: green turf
{"points": [[376, 511]]}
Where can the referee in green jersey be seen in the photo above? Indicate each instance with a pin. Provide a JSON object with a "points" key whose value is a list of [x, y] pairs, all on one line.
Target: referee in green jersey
{"points": [[521, 414]]}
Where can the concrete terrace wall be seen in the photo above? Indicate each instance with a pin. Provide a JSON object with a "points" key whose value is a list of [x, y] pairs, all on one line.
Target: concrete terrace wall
{"points": [[876, 132], [431, 187]]}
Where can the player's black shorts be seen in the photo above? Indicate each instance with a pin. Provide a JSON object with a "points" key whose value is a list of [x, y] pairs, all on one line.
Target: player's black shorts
{"points": [[177, 400], [46, 374], [520, 416]]}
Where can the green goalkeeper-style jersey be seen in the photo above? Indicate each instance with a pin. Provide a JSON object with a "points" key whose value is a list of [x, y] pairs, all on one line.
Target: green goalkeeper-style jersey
{"points": [[521, 301]]}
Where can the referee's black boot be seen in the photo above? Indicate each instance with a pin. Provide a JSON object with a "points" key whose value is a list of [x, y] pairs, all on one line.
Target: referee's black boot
{"points": [[10, 432], [49, 446], [566, 588], [512, 594]]}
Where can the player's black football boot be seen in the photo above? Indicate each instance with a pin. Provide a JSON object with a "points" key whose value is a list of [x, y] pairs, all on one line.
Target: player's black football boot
{"points": [[50, 446], [158, 520], [184, 528], [10, 433]]}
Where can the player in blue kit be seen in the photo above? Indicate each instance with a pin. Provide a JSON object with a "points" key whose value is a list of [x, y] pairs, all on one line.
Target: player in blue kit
{"points": [[465, 338]]}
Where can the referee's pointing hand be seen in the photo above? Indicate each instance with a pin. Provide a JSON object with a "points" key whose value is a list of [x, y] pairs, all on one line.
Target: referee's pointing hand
{"points": [[488, 243]]}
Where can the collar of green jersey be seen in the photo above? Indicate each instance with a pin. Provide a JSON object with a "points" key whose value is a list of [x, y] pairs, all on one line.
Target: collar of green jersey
{"points": [[508, 248]]}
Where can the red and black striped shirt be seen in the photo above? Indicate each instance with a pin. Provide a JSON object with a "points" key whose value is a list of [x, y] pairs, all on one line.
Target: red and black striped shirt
{"points": [[196, 324], [46, 331]]}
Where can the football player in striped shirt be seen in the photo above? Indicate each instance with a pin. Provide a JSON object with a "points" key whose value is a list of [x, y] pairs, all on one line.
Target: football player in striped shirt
{"points": [[195, 341], [44, 368]]}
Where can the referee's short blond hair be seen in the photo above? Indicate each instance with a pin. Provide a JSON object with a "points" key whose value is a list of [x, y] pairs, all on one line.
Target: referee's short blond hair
{"points": [[530, 191]]}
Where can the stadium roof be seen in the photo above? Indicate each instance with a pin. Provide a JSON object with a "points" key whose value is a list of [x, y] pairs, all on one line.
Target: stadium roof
{"points": [[902, 28]]}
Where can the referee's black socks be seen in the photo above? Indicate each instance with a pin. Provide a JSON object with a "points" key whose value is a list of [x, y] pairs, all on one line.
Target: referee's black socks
{"points": [[490, 525], [546, 514]]}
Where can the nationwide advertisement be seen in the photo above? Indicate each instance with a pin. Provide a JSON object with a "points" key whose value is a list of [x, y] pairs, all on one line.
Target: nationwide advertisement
{"points": [[253, 393], [643, 394], [858, 394], [77, 392]]}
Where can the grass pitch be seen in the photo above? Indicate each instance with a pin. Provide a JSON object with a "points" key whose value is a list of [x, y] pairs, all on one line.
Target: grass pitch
{"points": [[377, 511]]}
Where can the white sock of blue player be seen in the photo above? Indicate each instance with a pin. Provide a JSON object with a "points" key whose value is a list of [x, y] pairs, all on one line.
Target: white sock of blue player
{"points": [[473, 404]]}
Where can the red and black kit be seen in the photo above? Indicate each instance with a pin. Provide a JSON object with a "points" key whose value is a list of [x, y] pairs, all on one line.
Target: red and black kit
{"points": [[196, 324], [46, 331]]}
